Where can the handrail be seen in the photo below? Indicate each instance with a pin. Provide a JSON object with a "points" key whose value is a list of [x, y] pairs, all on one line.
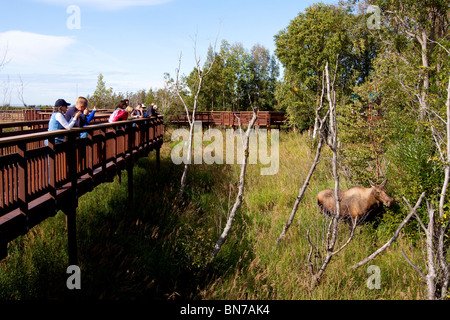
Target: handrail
{"points": [[4, 141], [32, 126]]}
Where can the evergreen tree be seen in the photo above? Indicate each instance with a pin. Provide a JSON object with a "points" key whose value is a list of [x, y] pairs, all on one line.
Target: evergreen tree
{"points": [[103, 97]]}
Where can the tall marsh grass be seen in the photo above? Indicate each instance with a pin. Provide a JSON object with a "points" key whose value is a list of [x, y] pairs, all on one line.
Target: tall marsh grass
{"points": [[157, 249]]}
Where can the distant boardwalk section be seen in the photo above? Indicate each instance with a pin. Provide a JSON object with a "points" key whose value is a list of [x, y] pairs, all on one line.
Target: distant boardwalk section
{"points": [[232, 118]]}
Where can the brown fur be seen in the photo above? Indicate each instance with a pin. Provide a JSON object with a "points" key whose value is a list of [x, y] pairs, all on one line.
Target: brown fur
{"points": [[357, 202]]}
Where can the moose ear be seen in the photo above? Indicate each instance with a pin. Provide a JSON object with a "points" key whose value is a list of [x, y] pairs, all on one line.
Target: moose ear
{"points": [[383, 184], [371, 183]]}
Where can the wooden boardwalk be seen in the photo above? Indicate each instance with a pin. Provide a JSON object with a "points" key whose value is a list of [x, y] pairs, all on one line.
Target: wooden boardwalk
{"points": [[38, 180]]}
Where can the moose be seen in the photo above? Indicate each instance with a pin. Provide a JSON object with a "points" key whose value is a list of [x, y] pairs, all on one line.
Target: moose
{"points": [[356, 203]]}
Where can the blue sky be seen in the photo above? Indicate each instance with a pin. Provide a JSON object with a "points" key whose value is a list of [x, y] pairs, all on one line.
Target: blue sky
{"points": [[131, 42]]}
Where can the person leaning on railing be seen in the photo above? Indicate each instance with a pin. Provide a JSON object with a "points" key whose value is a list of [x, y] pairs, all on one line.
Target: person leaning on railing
{"points": [[152, 111], [89, 117], [138, 112], [80, 105], [58, 120]]}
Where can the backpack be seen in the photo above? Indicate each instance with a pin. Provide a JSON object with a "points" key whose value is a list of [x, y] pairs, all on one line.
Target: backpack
{"points": [[118, 115]]}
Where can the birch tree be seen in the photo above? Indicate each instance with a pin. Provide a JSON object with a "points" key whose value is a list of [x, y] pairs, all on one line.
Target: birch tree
{"points": [[241, 186], [333, 226], [201, 73]]}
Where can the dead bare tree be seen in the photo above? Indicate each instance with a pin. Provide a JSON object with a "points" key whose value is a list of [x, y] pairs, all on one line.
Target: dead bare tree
{"points": [[329, 240], [333, 227], [201, 74], [238, 202], [436, 253], [6, 90], [20, 90], [4, 60], [320, 122]]}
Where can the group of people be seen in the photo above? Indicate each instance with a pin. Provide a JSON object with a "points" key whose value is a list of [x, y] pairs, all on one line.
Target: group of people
{"points": [[79, 115], [124, 111], [140, 112]]}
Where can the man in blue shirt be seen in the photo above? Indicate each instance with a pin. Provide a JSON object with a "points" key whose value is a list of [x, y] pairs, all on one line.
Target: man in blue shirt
{"points": [[80, 105]]}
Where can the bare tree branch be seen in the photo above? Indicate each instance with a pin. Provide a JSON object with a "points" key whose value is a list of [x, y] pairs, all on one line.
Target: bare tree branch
{"points": [[201, 74], [394, 237], [20, 90], [332, 233], [413, 265], [354, 224]]}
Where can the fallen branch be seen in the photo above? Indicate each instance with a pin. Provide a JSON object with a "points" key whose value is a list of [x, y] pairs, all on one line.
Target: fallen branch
{"points": [[394, 237]]}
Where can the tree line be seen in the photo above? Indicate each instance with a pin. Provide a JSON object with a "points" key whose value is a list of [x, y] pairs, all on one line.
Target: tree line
{"points": [[237, 74]]}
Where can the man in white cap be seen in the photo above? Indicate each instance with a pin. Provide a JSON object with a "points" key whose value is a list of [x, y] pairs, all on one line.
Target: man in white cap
{"points": [[153, 110]]}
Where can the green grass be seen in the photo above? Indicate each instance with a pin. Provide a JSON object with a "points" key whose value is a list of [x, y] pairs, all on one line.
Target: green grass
{"points": [[155, 249]]}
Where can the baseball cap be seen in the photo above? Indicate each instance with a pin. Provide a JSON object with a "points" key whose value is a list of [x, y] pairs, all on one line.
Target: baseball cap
{"points": [[61, 102]]}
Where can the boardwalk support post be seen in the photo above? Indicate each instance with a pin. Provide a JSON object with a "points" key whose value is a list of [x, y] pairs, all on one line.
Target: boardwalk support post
{"points": [[130, 162], [71, 223], [130, 182], [158, 158], [71, 209], [3, 250]]}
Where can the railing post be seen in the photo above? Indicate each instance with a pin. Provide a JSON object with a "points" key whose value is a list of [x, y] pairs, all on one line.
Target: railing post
{"points": [[51, 167], [23, 181], [71, 222], [114, 130], [103, 151], [3, 249], [146, 135], [158, 158], [90, 155], [129, 162]]}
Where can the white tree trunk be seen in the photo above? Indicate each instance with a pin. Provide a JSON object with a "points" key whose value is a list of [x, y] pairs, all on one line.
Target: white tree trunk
{"points": [[238, 202]]}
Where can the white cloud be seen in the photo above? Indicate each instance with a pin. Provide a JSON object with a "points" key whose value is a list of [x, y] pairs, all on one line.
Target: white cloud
{"points": [[26, 48], [107, 4]]}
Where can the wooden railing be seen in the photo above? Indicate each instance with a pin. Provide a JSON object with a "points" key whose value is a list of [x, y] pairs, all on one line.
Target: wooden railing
{"points": [[37, 180], [45, 113], [232, 118]]}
